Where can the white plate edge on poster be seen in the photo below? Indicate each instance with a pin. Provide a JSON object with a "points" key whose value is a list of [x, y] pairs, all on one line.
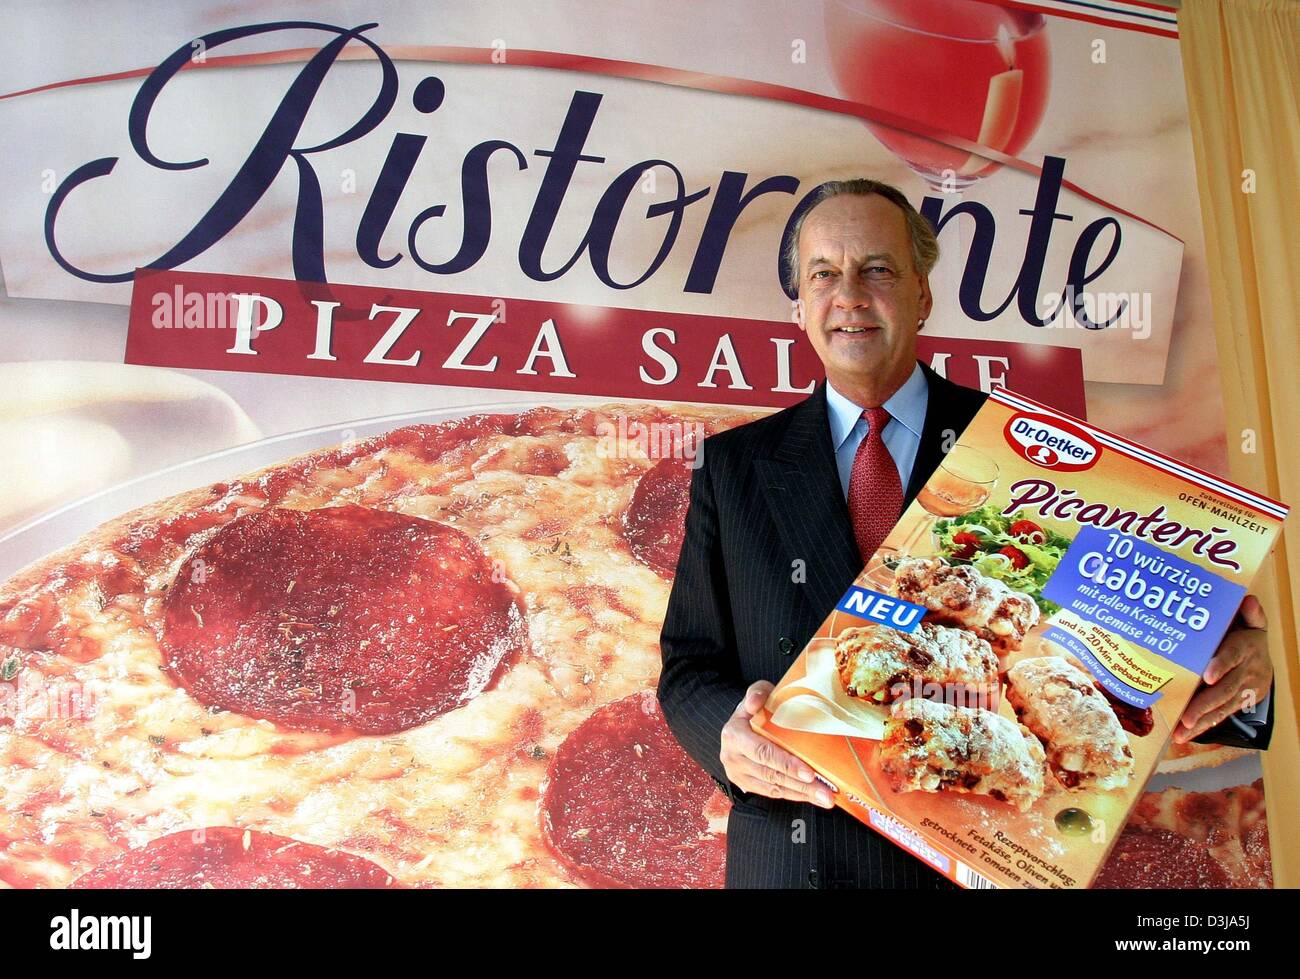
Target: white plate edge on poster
{"points": [[48, 532]]}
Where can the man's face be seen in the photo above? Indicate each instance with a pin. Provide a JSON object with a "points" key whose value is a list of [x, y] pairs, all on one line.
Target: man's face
{"points": [[862, 298]]}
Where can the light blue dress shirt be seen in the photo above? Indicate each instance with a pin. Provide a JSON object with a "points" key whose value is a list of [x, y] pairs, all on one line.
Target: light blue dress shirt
{"points": [[902, 437], [902, 434]]}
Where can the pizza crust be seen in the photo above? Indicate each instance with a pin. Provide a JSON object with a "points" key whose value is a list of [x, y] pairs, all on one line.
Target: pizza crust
{"points": [[1189, 756]]}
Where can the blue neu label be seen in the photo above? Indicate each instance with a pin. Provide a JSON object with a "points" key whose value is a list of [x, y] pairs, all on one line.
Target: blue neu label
{"points": [[884, 609], [1145, 594]]}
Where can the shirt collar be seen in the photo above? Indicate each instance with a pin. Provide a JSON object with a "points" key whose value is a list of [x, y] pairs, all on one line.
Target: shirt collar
{"points": [[906, 406]]}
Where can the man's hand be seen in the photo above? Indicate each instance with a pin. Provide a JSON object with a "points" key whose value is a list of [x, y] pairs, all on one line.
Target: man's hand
{"points": [[1238, 676], [756, 765]]}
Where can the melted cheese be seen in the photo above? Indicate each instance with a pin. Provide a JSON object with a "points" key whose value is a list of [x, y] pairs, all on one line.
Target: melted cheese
{"points": [[450, 802]]}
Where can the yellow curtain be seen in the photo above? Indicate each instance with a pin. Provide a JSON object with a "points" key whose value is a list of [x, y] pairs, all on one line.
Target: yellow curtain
{"points": [[1241, 62]]}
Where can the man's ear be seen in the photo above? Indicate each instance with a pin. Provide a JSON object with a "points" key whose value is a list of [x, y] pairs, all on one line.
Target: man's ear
{"points": [[797, 315], [927, 301]]}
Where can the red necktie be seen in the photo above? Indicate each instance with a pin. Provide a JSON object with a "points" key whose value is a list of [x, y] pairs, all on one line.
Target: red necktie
{"points": [[875, 494]]}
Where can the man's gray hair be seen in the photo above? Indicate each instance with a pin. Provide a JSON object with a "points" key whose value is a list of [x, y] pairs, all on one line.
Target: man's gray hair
{"points": [[925, 247]]}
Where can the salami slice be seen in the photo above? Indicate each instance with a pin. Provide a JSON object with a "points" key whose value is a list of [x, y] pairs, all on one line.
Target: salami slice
{"points": [[341, 618], [1160, 859], [624, 806], [655, 521], [230, 857]]}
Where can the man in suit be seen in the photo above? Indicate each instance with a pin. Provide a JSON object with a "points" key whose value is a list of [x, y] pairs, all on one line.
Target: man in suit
{"points": [[784, 511]]}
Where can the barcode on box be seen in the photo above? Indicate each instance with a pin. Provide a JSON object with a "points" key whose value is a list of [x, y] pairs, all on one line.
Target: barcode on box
{"points": [[969, 878]]}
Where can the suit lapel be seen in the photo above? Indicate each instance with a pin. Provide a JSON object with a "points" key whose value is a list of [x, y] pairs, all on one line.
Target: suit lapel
{"points": [[930, 452], [801, 485], [945, 420]]}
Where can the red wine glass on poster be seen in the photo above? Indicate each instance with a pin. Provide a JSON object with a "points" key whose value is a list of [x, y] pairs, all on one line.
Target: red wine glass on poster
{"points": [[963, 68]]}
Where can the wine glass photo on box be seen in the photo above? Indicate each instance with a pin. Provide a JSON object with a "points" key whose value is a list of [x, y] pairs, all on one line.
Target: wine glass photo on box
{"points": [[962, 484]]}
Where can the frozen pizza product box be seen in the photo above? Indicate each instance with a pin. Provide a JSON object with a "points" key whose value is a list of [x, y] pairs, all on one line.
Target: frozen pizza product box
{"points": [[996, 686]]}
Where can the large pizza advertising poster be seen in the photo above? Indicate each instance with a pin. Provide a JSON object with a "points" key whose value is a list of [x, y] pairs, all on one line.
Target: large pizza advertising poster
{"points": [[357, 356]]}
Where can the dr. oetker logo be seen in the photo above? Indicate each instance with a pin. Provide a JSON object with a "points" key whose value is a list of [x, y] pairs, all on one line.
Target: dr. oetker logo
{"points": [[1051, 443]]}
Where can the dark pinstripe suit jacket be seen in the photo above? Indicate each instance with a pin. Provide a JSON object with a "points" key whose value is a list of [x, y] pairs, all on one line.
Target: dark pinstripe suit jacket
{"points": [[766, 496]]}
